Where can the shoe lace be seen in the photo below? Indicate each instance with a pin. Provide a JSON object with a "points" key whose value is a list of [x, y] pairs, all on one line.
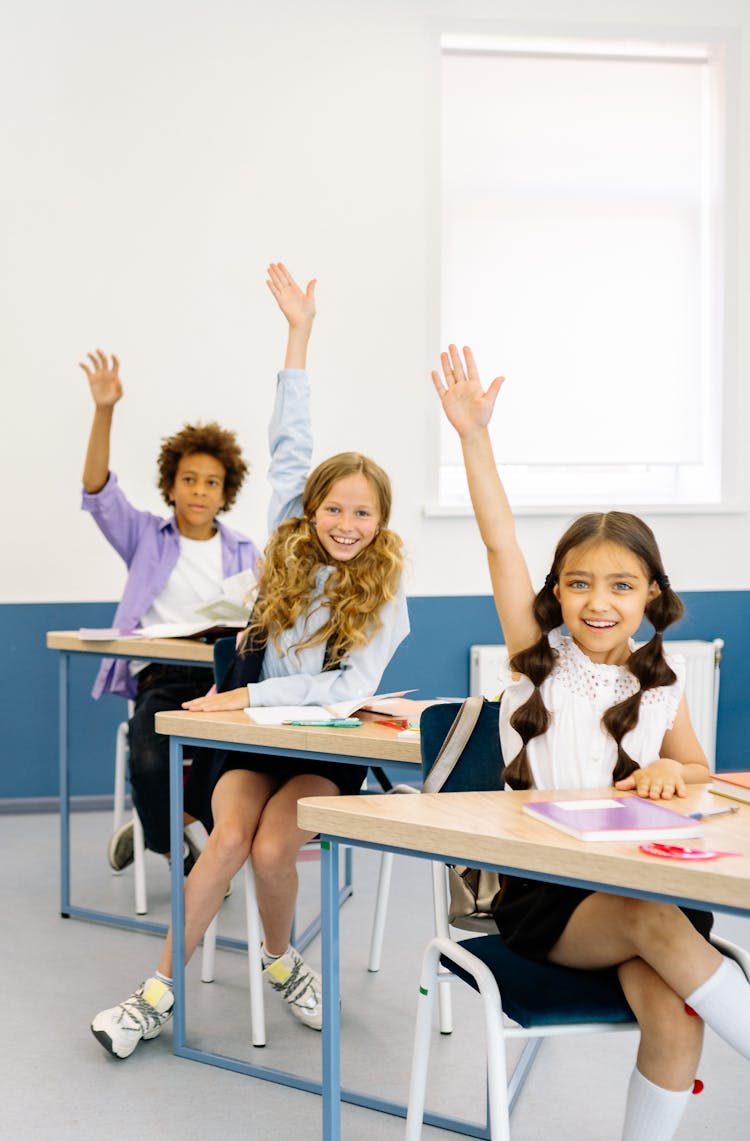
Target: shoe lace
{"points": [[295, 988], [143, 1013]]}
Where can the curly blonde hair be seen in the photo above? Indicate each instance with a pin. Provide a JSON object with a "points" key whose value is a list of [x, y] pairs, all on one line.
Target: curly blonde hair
{"points": [[354, 592]]}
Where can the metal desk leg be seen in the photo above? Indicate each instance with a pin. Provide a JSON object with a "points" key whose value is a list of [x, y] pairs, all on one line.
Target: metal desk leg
{"points": [[64, 758], [331, 1018], [178, 892]]}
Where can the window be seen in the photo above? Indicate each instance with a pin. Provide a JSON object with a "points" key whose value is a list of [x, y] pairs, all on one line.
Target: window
{"points": [[582, 222]]}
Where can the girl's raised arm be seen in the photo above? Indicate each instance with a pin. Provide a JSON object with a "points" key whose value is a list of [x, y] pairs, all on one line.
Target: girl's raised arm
{"points": [[106, 390], [469, 409], [299, 309]]}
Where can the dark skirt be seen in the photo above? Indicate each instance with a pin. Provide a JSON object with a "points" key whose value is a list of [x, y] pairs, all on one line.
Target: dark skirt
{"points": [[531, 915], [211, 764]]}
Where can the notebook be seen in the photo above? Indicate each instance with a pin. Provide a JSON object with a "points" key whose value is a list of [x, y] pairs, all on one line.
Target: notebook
{"points": [[614, 818], [734, 785]]}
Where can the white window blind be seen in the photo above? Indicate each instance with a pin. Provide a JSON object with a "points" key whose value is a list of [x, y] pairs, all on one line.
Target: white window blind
{"points": [[582, 208]]}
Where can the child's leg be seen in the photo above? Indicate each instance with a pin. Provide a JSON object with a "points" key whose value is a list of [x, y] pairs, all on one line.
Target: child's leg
{"points": [[274, 853], [162, 688], [668, 1055], [237, 804], [606, 930]]}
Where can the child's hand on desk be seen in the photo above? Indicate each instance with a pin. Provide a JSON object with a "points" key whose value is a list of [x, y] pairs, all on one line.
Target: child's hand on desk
{"points": [[659, 781], [217, 702]]}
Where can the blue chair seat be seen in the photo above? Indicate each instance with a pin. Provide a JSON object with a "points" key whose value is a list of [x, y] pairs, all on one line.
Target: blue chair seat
{"points": [[544, 994]]}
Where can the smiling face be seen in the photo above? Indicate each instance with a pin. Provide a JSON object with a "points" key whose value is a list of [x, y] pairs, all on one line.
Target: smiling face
{"points": [[198, 494], [603, 590], [348, 518]]}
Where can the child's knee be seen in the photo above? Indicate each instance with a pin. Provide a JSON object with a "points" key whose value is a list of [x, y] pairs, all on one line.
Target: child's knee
{"points": [[273, 855], [230, 842]]}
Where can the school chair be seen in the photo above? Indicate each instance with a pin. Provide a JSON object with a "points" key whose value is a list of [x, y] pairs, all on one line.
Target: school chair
{"points": [[541, 999], [122, 755], [223, 650], [484, 763], [544, 1000]]}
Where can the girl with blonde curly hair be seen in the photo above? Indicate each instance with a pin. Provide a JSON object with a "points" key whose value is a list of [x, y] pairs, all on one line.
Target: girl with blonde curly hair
{"points": [[329, 615]]}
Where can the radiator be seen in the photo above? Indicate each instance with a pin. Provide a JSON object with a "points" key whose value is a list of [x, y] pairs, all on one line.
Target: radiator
{"points": [[489, 675]]}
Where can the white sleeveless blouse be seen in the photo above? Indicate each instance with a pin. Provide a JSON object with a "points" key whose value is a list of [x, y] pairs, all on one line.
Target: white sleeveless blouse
{"points": [[576, 751]]}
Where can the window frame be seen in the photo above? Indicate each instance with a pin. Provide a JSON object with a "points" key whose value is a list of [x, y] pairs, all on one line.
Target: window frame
{"points": [[722, 52]]}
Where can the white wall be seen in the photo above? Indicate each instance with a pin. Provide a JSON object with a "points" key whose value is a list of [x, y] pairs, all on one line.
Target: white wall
{"points": [[156, 155]]}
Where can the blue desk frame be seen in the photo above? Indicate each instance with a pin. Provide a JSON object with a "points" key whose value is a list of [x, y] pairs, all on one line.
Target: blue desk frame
{"points": [[333, 1094], [70, 910], [181, 1049]]}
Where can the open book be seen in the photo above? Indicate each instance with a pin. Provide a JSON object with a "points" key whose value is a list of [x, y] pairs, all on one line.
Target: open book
{"points": [[227, 612], [278, 714], [614, 818]]}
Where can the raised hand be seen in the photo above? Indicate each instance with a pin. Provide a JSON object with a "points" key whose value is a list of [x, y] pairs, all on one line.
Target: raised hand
{"points": [[466, 404], [104, 378], [297, 306]]}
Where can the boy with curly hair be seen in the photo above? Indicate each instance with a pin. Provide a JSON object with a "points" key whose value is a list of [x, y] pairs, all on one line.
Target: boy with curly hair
{"points": [[175, 565]]}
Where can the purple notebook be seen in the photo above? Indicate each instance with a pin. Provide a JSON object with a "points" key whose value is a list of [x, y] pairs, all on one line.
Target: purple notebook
{"points": [[614, 818]]}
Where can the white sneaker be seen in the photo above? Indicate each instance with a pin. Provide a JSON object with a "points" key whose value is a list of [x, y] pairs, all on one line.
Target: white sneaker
{"points": [[120, 848], [121, 1028], [300, 986]]}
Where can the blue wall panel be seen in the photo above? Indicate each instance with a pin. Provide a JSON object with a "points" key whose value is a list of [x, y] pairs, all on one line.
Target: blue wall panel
{"points": [[434, 658]]}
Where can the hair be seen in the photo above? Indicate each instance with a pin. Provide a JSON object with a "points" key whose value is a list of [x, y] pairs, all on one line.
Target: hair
{"points": [[354, 591], [647, 664], [207, 439]]}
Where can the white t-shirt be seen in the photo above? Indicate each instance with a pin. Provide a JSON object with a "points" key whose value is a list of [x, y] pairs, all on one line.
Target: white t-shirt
{"points": [[196, 579], [576, 751]]}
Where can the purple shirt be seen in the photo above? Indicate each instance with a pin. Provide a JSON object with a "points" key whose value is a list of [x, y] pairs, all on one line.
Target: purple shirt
{"points": [[150, 547]]}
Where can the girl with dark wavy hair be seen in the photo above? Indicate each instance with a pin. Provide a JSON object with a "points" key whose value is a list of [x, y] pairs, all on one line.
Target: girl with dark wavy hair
{"points": [[586, 709]]}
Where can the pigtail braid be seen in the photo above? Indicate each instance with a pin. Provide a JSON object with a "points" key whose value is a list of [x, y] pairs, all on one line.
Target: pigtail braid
{"points": [[652, 670], [536, 662]]}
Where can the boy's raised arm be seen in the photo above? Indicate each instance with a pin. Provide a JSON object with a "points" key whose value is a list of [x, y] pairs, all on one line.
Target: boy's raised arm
{"points": [[106, 390]]}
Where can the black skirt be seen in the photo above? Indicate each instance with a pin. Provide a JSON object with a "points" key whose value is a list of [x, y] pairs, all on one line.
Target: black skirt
{"points": [[209, 765], [531, 915]]}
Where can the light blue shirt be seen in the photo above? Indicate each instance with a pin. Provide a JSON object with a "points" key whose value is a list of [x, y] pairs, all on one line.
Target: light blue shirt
{"points": [[296, 677]]}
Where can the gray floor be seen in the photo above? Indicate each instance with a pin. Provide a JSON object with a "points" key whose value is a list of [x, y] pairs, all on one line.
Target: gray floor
{"points": [[56, 1082]]}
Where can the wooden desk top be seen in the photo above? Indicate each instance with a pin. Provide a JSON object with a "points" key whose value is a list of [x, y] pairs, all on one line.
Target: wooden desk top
{"points": [[369, 742], [489, 827], [152, 649]]}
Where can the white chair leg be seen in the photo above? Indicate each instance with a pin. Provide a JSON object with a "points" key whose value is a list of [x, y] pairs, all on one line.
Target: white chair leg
{"points": [[428, 983], [139, 866], [381, 911], [121, 765], [208, 954], [440, 903], [254, 961]]}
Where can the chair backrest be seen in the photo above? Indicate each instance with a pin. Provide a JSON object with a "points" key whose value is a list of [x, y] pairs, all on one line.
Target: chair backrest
{"points": [[480, 766], [223, 654]]}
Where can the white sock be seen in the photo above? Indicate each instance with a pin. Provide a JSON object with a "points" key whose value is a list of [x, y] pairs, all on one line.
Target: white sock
{"points": [[197, 834], [267, 958], [652, 1113], [723, 1002], [164, 979]]}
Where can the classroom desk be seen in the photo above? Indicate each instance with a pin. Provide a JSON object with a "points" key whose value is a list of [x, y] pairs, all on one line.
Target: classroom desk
{"points": [[368, 744], [488, 829], [172, 651]]}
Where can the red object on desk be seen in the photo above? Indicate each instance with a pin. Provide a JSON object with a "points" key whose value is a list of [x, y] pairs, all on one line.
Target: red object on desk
{"points": [[394, 722]]}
